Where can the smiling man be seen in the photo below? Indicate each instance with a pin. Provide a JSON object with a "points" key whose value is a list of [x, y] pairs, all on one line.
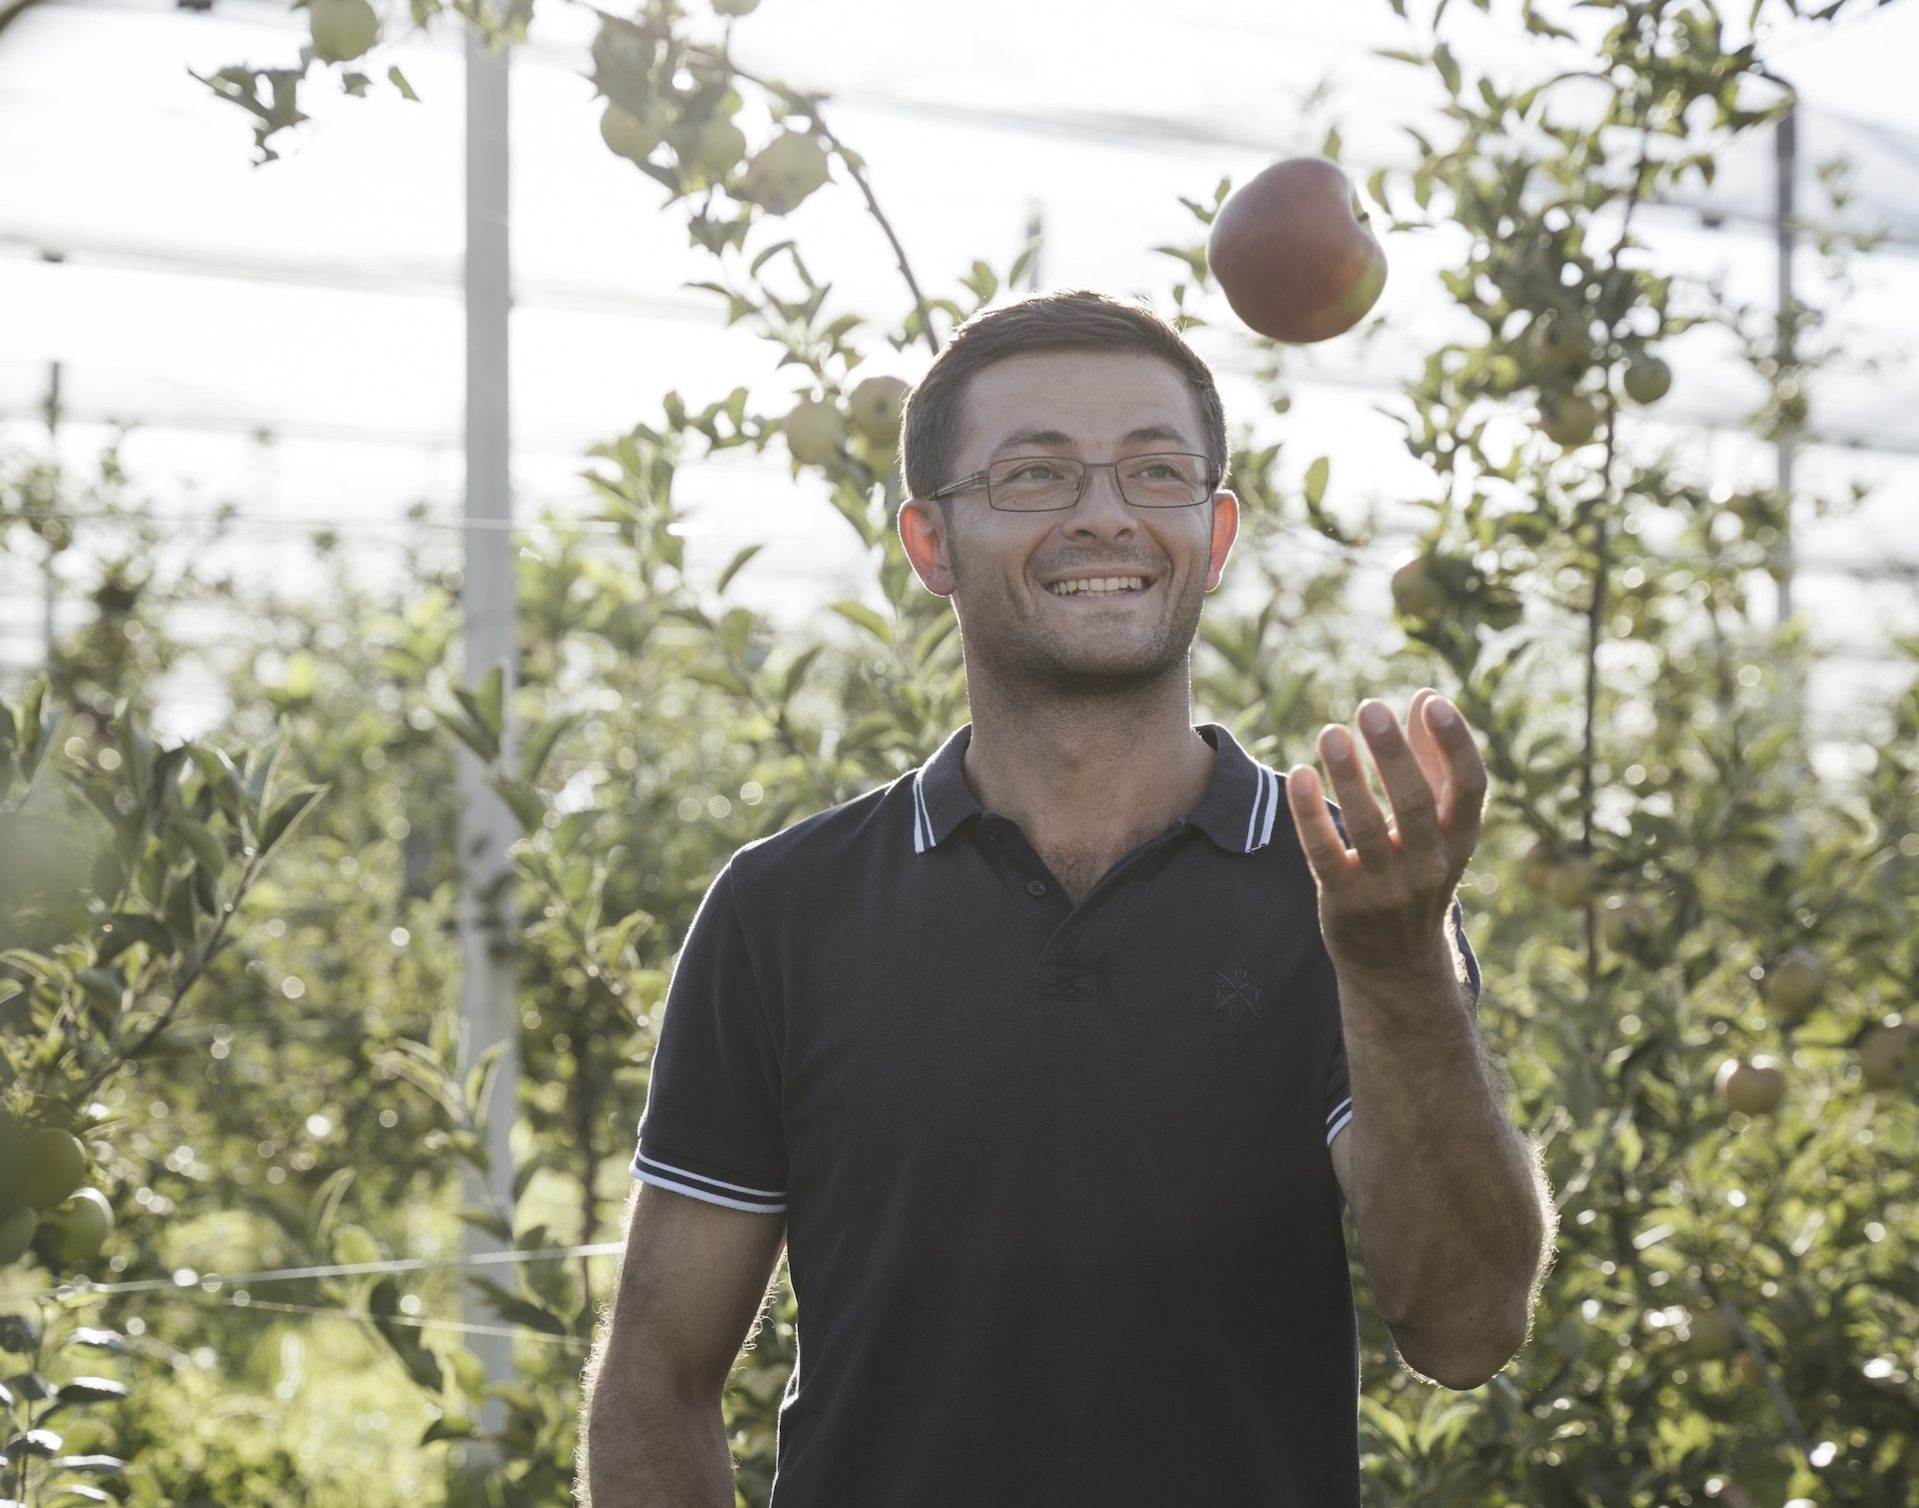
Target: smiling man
{"points": [[1055, 1061]]}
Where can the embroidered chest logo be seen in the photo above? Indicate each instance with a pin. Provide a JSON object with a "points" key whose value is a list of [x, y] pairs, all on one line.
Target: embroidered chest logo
{"points": [[1237, 994]]}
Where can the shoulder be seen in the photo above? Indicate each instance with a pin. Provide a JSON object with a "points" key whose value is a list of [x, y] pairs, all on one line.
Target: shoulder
{"points": [[858, 831]]}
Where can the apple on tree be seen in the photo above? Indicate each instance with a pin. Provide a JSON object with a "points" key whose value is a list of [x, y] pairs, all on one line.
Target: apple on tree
{"points": [[1648, 379], [342, 30], [717, 149], [1294, 254], [876, 404], [1793, 985], [74, 1231], [53, 1163], [630, 136], [1568, 419], [1559, 346], [1755, 1085], [1889, 1056], [1418, 590], [814, 432], [783, 172]]}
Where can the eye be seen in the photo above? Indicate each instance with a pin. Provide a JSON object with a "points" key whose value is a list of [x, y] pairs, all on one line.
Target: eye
{"points": [[1035, 471]]}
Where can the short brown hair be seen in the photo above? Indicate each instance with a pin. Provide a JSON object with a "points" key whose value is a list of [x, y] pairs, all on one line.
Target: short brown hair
{"points": [[1073, 319]]}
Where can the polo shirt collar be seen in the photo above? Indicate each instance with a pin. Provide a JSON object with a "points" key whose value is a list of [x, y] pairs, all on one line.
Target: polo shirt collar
{"points": [[1237, 812]]}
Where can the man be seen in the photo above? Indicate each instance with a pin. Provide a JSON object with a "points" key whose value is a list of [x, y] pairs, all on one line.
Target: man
{"points": [[1053, 1060]]}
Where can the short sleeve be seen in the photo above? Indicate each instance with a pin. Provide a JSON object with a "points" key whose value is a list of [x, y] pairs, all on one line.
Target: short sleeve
{"points": [[1338, 1097], [712, 1126]]}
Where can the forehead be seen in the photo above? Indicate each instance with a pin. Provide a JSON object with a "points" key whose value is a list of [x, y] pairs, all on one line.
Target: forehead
{"points": [[1093, 397]]}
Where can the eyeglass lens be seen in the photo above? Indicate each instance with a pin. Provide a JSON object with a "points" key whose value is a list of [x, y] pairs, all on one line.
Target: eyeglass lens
{"points": [[1039, 483]]}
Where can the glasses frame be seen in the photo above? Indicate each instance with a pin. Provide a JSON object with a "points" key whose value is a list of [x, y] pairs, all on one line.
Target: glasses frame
{"points": [[978, 480]]}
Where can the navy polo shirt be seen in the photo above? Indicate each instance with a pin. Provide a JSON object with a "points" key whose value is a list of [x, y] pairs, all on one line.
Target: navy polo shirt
{"points": [[1062, 1223]]}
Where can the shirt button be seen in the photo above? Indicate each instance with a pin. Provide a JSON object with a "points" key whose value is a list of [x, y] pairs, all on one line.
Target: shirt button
{"points": [[1036, 887]]}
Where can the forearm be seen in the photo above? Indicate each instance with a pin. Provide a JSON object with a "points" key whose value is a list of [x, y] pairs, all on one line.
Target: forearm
{"points": [[1450, 1210], [642, 1446]]}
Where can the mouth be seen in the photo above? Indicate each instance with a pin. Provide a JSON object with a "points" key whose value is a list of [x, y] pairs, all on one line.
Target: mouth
{"points": [[1101, 588]]}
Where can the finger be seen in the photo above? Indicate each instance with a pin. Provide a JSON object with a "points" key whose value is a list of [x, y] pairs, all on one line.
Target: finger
{"points": [[1425, 746], [1365, 822], [1326, 851], [1464, 796], [1414, 801]]}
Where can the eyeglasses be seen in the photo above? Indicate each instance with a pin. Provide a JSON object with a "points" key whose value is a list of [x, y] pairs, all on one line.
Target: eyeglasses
{"points": [[1046, 484]]}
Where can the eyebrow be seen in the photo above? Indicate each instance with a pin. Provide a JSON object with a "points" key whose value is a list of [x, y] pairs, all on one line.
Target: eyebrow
{"points": [[1056, 437]]}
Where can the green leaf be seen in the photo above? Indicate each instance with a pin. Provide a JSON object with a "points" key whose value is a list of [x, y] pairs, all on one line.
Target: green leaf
{"points": [[516, 1310], [100, 1465], [1316, 476], [478, 1088], [450, 1427], [866, 618], [733, 566], [90, 1390], [100, 1340], [179, 911], [284, 816], [324, 1206], [525, 804], [208, 851], [259, 770], [34, 1442], [539, 746], [221, 778], [398, 80], [796, 672], [471, 733], [486, 1218]]}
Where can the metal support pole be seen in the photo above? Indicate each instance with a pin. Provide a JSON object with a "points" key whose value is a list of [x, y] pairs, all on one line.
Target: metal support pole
{"points": [[1786, 155], [487, 828], [50, 581]]}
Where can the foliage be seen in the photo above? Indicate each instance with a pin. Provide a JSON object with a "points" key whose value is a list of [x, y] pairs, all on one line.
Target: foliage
{"points": [[1731, 1310]]}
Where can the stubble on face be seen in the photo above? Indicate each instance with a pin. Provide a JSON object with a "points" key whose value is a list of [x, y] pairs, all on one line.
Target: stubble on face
{"points": [[1014, 637]]}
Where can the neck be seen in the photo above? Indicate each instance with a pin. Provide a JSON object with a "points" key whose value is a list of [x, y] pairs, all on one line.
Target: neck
{"points": [[1087, 769]]}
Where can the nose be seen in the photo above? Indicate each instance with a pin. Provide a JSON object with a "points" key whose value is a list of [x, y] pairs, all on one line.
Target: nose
{"points": [[1101, 511]]}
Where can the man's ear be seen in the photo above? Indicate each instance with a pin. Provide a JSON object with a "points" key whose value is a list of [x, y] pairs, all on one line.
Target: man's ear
{"points": [[1225, 531], [922, 528]]}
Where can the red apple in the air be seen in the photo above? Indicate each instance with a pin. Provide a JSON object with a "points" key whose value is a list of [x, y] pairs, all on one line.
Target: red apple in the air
{"points": [[1293, 252]]}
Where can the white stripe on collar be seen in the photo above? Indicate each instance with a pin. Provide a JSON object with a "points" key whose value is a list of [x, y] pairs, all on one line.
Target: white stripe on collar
{"points": [[922, 819], [1266, 800]]}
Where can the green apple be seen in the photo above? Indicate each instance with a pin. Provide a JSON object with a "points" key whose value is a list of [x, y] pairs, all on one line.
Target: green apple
{"points": [[16, 1234], [1568, 419], [1709, 1335], [1648, 379], [1889, 1056], [814, 432], [1626, 922], [1793, 985], [876, 404], [342, 30], [1558, 344], [784, 172], [1755, 1085], [81, 1225], [1417, 590], [53, 1164], [718, 148], [627, 135]]}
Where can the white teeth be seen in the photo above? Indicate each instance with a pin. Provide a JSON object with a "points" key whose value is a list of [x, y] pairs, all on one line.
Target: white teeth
{"points": [[1099, 584]]}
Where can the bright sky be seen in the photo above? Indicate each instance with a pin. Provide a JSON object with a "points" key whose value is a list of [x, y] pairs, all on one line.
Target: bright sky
{"points": [[318, 298]]}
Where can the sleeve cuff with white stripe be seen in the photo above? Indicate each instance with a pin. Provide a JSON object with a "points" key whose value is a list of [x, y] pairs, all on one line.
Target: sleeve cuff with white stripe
{"points": [[735, 1196], [1338, 1118]]}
